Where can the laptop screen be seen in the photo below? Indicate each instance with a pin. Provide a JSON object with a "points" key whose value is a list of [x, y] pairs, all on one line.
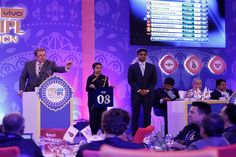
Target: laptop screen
{"points": [[27, 135]]}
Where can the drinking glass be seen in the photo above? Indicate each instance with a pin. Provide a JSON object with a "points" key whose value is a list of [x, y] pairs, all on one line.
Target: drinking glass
{"points": [[169, 140]]}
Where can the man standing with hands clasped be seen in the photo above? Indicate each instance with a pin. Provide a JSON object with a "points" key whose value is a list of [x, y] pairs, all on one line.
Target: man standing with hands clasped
{"points": [[142, 79], [38, 70]]}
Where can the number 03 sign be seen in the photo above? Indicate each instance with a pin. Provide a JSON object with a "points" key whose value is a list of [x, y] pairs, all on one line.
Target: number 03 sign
{"points": [[103, 97]]}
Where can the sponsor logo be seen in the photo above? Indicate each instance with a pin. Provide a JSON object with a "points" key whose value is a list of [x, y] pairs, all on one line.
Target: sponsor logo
{"points": [[10, 24], [217, 65], [193, 64], [13, 13], [55, 93], [168, 64]]}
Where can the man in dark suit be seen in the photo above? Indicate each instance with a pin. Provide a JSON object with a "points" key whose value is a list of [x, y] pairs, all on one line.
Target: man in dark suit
{"points": [[114, 124], [13, 128], [162, 95], [142, 79], [191, 132], [38, 70], [211, 132], [221, 92], [228, 113]]}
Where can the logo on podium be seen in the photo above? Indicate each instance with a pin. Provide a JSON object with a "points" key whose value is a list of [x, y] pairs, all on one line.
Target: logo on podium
{"points": [[55, 93]]}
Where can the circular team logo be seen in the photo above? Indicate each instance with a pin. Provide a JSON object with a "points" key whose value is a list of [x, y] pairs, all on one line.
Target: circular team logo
{"points": [[193, 65], [217, 65], [168, 64], [55, 93]]}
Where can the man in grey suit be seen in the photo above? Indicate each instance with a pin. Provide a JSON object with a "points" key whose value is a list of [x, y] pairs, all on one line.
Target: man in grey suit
{"points": [[142, 79], [38, 70]]}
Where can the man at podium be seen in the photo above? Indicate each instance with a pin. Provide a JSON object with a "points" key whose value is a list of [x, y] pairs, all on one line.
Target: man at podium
{"points": [[38, 70]]}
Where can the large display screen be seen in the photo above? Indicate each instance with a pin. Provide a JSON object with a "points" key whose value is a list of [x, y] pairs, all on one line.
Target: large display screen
{"points": [[187, 23]]}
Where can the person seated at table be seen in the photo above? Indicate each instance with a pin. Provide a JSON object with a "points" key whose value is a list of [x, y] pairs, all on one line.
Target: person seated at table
{"points": [[190, 133], [114, 124], [221, 92], [211, 132], [228, 113], [161, 95], [196, 91], [13, 127]]}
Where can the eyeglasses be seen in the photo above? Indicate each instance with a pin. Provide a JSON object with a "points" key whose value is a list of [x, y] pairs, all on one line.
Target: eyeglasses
{"points": [[142, 54]]}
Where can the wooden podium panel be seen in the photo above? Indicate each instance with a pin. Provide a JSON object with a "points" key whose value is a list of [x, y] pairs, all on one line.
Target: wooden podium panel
{"points": [[31, 113]]}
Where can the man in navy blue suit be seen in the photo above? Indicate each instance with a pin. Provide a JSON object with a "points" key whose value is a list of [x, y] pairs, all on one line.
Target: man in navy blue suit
{"points": [[228, 113], [142, 79], [13, 128], [221, 92], [38, 70], [162, 96]]}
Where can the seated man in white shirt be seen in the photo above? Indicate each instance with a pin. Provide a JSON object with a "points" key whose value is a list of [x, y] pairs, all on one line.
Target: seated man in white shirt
{"points": [[221, 92], [196, 91]]}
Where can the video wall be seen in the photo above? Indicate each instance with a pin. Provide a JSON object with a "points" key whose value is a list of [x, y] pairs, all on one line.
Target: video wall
{"points": [[189, 23]]}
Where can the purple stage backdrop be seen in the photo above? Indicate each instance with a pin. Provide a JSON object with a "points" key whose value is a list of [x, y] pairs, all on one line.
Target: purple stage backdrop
{"points": [[56, 25]]}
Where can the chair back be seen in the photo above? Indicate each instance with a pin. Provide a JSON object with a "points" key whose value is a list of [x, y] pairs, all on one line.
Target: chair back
{"points": [[9, 151], [108, 151], [226, 151], [158, 122], [0, 128], [91, 153], [182, 94], [141, 133]]}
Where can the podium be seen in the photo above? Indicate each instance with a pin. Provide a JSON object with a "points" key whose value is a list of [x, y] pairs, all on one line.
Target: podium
{"points": [[49, 107]]}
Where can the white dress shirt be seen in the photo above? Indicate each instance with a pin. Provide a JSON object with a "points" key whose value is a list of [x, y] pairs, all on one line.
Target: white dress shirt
{"points": [[38, 68], [142, 66]]}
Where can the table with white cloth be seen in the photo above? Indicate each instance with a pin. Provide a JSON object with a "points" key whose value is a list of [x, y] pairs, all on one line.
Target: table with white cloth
{"points": [[177, 113]]}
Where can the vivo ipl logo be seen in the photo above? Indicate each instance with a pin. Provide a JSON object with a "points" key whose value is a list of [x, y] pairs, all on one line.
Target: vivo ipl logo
{"points": [[10, 24], [55, 93]]}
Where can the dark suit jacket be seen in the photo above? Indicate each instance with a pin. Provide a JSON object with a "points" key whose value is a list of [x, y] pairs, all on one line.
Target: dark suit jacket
{"points": [[208, 142], [230, 134], [215, 95], [29, 79], [189, 134], [27, 146], [112, 141], [137, 81], [159, 94]]}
